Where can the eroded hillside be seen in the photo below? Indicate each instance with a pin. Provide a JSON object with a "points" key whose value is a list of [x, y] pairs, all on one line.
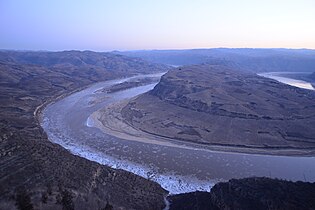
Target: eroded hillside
{"points": [[216, 105], [35, 173]]}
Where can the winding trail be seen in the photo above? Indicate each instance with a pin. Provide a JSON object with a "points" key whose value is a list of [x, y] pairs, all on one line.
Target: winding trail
{"points": [[177, 169]]}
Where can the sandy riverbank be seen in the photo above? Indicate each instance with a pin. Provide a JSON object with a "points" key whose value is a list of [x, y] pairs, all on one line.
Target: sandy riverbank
{"points": [[110, 121], [176, 167]]}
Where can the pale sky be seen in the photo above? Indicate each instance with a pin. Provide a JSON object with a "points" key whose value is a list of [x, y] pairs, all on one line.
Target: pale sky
{"points": [[104, 25]]}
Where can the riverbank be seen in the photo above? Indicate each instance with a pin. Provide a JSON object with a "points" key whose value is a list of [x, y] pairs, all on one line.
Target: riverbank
{"points": [[32, 166], [176, 167], [296, 79], [174, 183], [238, 112], [110, 121]]}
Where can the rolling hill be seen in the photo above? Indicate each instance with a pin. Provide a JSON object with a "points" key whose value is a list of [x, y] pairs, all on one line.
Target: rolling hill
{"points": [[35, 173], [214, 105]]}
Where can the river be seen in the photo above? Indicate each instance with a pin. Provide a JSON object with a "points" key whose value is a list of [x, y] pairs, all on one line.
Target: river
{"points": [[178, 170], [285, 77]]}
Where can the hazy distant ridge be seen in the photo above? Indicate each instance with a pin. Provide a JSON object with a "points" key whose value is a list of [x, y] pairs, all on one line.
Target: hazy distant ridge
{"points": [[252, 59]]}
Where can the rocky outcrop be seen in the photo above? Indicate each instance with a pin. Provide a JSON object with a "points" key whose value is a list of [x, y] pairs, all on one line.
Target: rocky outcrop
{"points": [[249, 193]]}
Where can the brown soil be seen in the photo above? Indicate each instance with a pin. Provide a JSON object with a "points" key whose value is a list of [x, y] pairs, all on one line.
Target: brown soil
{"points": [[35, 173], [217, 106]]}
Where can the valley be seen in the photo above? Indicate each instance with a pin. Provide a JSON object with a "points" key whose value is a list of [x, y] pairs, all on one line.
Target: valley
{"points": [[157, 105], [92, 133], [76, 124]]}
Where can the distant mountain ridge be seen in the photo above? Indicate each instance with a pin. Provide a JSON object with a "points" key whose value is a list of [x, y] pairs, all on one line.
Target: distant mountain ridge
{"points": [[81, 59], [250, 59]]}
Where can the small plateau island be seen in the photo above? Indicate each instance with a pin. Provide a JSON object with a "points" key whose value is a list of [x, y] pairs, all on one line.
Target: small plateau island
{"points": [[220, 108]]}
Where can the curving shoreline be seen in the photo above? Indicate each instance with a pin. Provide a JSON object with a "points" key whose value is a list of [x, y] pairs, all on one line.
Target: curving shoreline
{"points": [[177, 168], [174, 183], [289, 81], [110, 121]]}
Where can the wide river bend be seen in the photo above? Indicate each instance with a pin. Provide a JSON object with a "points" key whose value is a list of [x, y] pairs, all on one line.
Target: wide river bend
{"points": [[177, 169]]}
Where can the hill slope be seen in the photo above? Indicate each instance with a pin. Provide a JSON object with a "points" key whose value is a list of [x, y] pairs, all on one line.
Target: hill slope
{"points": [[37, 173], [248, 194], [215, 105]]}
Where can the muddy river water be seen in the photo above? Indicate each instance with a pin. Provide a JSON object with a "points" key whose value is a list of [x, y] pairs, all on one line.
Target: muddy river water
{"points": [[177, 169]]}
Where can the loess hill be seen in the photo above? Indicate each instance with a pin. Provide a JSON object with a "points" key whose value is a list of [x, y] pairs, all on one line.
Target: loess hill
{"points": [[37, 174], [214, 105]]}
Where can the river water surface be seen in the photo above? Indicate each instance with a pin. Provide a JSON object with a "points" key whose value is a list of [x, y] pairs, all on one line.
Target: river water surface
{"points": [[284, 78], [178, 170]]}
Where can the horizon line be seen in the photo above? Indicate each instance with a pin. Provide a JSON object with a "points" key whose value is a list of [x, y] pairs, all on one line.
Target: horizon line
{"points": [[153, 49]]}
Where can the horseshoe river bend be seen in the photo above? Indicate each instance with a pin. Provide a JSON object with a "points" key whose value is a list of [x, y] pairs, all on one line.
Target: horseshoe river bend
{"points": [[177, 168]]}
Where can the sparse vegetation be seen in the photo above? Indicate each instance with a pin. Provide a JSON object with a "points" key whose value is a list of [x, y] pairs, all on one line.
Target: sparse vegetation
{"points": [[66, 200], [248, 194], [29, 79], [23, 199], [218, 105]]}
